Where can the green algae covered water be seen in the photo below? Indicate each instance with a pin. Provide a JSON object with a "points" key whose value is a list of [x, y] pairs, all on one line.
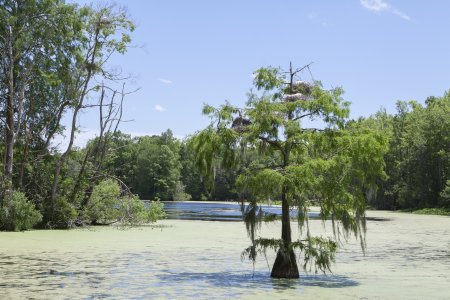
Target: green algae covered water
{"points": [[407, 257]]}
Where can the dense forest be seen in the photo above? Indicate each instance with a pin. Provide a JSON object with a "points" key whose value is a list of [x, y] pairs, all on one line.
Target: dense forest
{"points": [[417, 163], [54, 65]]}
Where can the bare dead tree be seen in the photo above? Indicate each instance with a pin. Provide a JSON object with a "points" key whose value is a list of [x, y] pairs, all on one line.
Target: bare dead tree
{"points": [[109, 123]]}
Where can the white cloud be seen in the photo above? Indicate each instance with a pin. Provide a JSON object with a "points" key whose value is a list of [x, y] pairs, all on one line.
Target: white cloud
{"points": [[315, 18], [165, 81], [159, 108], [381, 6], [375, 5], [312, 15]]}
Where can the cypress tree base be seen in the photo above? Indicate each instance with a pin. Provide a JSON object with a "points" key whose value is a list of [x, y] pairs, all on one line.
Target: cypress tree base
{"points": [[285, 265]]}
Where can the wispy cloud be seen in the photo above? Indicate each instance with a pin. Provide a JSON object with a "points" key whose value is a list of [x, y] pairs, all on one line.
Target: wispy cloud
{"points": [[159, 108], [315, 18], [381, 6], [312, 15], [165, 81]]}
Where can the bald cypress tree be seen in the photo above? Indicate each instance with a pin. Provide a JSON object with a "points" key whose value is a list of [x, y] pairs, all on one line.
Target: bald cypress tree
{"points": [[308, 154]]}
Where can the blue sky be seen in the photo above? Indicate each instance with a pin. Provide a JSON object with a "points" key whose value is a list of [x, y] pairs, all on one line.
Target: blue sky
{"points": [[195, 52]]}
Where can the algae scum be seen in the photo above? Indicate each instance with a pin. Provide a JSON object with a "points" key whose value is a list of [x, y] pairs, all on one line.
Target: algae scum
{"points": [[408, 257]]}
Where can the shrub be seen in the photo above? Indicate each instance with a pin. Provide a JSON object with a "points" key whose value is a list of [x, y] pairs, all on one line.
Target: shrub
{"points": [[445, 195], [65, 214], [155, 212], [107, 206], [433, 211], [104, 204], [18, 213], [134, 211]]}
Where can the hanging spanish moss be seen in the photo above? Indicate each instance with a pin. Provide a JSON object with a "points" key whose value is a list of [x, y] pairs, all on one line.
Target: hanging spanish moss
{"points": [[328, 166]]}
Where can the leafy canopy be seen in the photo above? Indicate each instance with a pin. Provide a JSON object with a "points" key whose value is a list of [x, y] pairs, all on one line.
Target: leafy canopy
{"points": [[309, 153]]}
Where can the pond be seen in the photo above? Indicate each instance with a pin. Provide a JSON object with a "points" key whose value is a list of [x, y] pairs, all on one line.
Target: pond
{"points": [[407, 257], [216, 211]]}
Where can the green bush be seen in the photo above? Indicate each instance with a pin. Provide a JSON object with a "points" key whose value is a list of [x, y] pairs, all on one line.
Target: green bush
{"points": [[107, 206], [445, 195], [17, 213], [155, 212], [65, 214], [134, 211], [433, 211], [104, 204]]}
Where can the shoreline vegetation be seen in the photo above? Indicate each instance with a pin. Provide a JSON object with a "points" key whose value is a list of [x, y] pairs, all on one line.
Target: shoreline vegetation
{"points": [[428, 211], [61, 69]]}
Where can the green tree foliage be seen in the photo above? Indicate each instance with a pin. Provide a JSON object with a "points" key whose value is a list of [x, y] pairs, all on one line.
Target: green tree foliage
{"points": [[121, 158], [418, 160], [445, 195], [330, 165], [105, 32], [18, 213], [157, 167], [107, 206], [190, 177], [104, 202], [54, 60], [39, 44]]}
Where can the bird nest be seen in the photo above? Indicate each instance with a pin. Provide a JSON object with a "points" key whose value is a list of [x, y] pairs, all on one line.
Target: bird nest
{"points": [[301, 90], [302, 87], [295, 97], [240, 124]]}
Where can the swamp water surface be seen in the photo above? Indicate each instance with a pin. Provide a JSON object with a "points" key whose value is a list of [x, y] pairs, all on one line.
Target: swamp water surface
{"points": [[407, 257]]}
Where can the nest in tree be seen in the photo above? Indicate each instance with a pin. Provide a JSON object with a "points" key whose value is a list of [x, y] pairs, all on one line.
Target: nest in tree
{"points": [[240, 124], [302, 87], [295, 97], [301, 90]]}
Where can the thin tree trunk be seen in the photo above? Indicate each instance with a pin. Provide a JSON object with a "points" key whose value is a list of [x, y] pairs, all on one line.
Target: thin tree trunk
{"points": [[80, 177], [60, 162], [9, 130], [106, 133], [285, 265], [24, 160]]}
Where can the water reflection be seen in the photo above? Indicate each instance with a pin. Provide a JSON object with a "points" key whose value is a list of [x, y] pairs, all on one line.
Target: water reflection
{"points": [[258, 280], [138, 275]]}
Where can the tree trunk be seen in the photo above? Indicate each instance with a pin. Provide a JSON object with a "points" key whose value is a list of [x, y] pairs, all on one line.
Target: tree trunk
{"points": [[82, 95], [285, 265], [9, 128]]}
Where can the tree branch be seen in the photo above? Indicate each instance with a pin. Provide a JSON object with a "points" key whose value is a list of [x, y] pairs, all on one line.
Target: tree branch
{"points": [[276, 144]]}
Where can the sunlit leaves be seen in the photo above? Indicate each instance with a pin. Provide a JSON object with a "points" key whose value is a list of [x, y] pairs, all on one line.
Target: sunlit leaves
{"points": [[268, 78], [331, 163]]}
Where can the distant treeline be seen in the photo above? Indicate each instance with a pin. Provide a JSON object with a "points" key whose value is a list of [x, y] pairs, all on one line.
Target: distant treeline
{"points": [[417, 162], [161, 167]]}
